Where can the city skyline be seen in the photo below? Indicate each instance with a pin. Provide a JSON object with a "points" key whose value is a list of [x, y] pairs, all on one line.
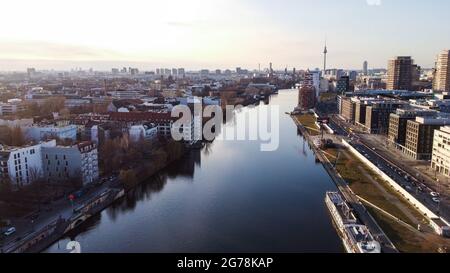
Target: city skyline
{"points": [[224, 34]]}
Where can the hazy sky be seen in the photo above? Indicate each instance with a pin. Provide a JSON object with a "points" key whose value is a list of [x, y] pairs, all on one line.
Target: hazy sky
{"points": [[219, 33]]}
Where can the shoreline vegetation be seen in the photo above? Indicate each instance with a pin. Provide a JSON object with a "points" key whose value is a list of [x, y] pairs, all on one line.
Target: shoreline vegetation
{"points": [[162, 158]]}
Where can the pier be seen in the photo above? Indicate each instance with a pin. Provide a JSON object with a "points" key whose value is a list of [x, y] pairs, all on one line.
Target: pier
{"points": [[364, 216]]}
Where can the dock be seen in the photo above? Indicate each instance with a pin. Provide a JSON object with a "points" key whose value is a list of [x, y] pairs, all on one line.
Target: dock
{"points": [[363, 215]]}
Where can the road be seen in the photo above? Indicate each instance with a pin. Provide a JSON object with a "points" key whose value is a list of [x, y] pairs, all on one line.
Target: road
{"points": [[63, 209], [408, 181]]}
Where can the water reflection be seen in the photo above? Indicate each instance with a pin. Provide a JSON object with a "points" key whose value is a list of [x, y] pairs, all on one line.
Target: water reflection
{"points": [[226, 197]]}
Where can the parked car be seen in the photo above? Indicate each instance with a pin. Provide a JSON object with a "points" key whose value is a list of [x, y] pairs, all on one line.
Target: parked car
{"points": [[434, 194], [436, 200], [10, 231]]}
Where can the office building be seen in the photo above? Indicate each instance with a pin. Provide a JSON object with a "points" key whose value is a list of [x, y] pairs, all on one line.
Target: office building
{"points": [[440, 160], [399, 120], [420, 135], [348, 109], [343, 85], [378, 113]]}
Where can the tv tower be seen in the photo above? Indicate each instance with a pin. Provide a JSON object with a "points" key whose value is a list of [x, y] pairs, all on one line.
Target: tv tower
{"points": [[325, 51]]}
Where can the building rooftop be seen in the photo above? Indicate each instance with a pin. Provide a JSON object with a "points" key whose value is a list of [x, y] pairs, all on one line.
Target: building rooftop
{"points": [[445, 129], [439, 120]]}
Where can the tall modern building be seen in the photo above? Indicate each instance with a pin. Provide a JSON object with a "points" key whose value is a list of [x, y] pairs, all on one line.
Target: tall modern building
{"points": [[441, 80], [400, 73], [365, 68], [307, 93]]}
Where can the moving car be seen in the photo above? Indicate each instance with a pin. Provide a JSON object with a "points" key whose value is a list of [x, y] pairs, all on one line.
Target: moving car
{"points": [[434, 194], [10, 231], [436, 200]]}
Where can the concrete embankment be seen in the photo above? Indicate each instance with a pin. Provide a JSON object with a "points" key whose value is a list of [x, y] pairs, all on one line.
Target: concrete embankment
{"points": [[435, 221], [349, 196], [41, 239]]}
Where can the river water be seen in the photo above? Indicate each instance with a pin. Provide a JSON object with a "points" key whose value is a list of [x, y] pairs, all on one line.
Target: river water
{"points": [[228, 197]]}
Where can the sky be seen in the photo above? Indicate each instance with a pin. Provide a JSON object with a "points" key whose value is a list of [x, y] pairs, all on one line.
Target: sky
{"points": [[196, 34]]}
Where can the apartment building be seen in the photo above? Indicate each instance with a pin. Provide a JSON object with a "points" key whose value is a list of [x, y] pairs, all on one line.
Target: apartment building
{"points": [[43, 132], [163, 121], [306, 98], [400, 73], [146, 131], [441, 80], [62, 163], [23, 165]]}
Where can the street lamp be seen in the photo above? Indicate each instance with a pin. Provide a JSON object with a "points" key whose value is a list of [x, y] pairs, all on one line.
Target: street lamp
{"points": [[439, 203]]}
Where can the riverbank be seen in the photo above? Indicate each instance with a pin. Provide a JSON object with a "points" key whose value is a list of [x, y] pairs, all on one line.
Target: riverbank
{"points": [[347, 193], [396, 216], [66, 219]]}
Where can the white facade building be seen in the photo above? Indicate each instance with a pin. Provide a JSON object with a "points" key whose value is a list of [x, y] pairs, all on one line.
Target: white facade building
{"points": [[23, 165], [79, 162], [16, 123], [316, 81], [147, 131], [12, 107], [441, 151], [38, 133]]}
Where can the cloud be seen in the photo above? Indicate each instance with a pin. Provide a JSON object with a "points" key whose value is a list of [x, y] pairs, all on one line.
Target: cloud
{"points": [[180, 24], [28, 49]]}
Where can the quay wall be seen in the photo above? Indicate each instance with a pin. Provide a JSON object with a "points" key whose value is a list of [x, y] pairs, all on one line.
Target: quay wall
{"points": [[416, 203]]}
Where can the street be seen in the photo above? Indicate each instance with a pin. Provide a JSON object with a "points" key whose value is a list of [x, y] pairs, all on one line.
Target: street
{"points": [[62, 208], [408, 181]]}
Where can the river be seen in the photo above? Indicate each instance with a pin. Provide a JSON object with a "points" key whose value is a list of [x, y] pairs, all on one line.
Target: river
{"points": [[228, 197]]}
